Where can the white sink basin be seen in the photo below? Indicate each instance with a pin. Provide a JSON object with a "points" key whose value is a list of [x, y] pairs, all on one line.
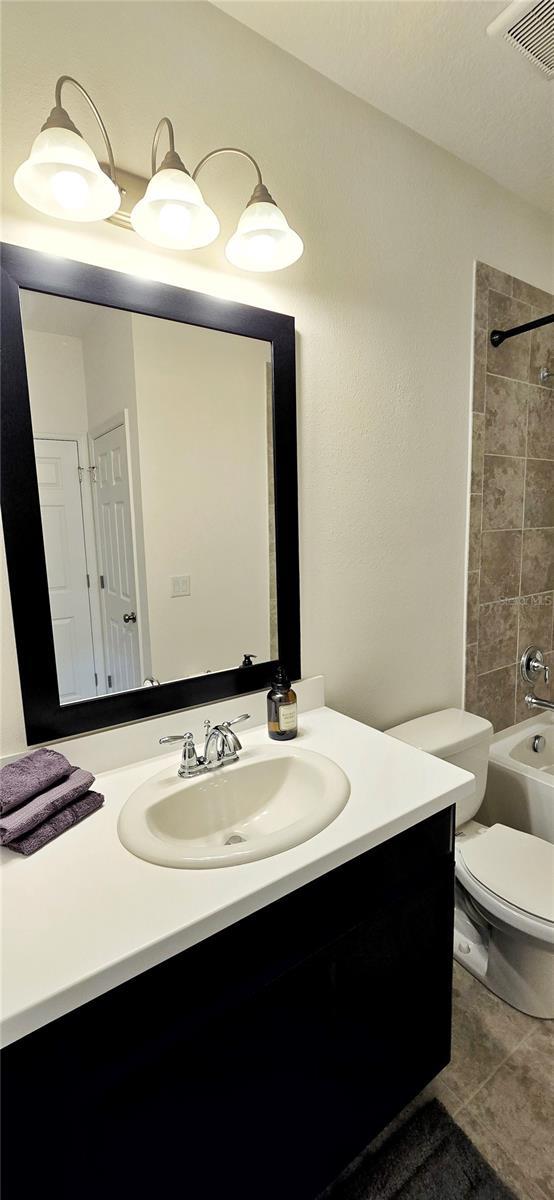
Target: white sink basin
{"points": [[266, 802]]}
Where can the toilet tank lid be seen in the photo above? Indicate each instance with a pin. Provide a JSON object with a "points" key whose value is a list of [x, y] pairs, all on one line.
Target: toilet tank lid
{"points": [[443, 733]]}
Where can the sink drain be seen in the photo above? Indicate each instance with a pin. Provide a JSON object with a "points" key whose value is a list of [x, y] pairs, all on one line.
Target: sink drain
{"points": [[234, 839]]}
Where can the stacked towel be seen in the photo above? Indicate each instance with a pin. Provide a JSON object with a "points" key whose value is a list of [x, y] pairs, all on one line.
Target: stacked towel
{"points": [[30, 775], [32, 810]]}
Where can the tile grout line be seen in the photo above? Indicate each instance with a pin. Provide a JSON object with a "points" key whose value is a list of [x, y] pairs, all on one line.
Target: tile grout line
{"points": [[519, 529], [484, 289], [493, 1135], [522, 531], [481, 291], [502, 1063], [516, 680], [516, 457], [504, 667], [513, 379], [491, 1130], [524, 595]]}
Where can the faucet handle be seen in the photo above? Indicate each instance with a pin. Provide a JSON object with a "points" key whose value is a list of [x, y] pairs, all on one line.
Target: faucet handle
{"points": [[532, 665], [176, 737], [190, 763], [231, 740]]}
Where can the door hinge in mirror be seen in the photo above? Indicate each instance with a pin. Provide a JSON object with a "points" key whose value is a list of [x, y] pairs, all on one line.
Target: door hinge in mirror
{"points": [[110, 681], [88, 580], [102, 584], [91, 471]]}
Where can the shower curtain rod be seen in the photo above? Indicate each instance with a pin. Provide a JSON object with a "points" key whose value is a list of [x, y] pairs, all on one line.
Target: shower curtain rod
{"points": [[499, 335]]}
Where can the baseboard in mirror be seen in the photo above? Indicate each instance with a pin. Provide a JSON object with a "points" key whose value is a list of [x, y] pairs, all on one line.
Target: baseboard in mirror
{"points": [[108, 749]]}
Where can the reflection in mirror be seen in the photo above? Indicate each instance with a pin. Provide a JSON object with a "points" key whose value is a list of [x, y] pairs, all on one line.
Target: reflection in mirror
{"points": [[153, 449]]}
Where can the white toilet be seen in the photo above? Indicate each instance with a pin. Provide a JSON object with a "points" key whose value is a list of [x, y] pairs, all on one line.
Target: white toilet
{"points": [[504, 918]]}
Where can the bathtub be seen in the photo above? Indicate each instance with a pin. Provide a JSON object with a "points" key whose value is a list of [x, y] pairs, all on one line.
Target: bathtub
{"points": [[520, 781]]}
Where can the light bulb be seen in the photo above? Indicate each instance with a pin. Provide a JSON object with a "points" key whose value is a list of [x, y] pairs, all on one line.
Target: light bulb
{"points": [[63, 178], [263, 240], [175, 220], [260, 247], [70, 189], [173, 212]]}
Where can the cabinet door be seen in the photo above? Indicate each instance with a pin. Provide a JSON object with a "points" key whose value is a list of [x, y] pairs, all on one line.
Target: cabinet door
{"points": [[351, 1036], [280, 1095]]}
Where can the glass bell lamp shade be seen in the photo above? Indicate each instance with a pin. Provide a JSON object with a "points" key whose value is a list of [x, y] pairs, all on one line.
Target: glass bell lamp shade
{"points": [[173, 212], [264, 241], [63, 178]]}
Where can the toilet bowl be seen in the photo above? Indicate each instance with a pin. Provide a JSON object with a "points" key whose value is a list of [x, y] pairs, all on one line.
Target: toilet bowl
{"points": [[504, 903]]}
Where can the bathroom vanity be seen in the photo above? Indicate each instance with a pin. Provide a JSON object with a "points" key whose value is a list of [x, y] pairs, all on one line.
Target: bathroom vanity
{"points": [[241, 1031], [175, 1021]]}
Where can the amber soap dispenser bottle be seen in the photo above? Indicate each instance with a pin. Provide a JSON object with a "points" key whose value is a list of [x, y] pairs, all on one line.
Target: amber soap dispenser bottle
{"points": [[282, 713]]}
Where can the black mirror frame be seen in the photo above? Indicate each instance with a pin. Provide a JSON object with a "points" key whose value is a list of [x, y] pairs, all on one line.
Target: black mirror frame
{"points": [[45, 718]]}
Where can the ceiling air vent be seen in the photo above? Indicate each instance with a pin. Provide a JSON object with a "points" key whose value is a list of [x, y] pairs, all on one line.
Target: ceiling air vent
{"points": [[529, 26]]}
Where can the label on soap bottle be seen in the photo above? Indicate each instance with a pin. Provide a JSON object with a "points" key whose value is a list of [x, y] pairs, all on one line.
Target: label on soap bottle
{"points": [[287, 717]]}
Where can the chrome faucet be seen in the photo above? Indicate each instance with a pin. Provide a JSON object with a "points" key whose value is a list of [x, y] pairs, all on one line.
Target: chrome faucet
{"points": [[221, 746], [533, 701], [532, 665]]}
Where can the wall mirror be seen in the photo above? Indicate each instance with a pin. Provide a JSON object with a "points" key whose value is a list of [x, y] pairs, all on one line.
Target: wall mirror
{"points": [[149, 494]]}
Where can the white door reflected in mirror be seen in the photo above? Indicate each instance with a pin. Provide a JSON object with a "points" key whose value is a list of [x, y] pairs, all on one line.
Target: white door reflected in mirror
{"points": [[152, 572]]}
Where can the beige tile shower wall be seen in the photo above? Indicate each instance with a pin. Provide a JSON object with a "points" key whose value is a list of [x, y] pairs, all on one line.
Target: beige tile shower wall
{"points": [[511, 536]]}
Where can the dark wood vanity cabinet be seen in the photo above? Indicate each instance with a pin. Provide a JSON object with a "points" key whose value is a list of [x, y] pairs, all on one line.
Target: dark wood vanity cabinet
{"points": [[258, 1063]]}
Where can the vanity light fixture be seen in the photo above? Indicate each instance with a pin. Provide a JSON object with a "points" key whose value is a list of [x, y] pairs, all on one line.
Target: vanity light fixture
{"points": [[62, 176], [173, 212], [263, 240]]}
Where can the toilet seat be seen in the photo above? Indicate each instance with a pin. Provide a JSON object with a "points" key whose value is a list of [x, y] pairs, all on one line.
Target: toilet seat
{"points": [[511, 875]]}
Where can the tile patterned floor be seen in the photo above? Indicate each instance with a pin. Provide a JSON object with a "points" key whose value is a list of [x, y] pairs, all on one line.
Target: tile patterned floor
{"points": [[499, 1086]]}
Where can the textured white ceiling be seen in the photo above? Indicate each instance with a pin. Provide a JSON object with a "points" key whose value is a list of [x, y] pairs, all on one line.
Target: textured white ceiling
{"points": [[431, 65]]}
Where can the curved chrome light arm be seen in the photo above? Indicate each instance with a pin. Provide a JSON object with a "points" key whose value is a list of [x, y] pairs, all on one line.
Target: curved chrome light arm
{"points": [[156, 140], [260, 192], [227, 150], [172, 160], [69, 79]]}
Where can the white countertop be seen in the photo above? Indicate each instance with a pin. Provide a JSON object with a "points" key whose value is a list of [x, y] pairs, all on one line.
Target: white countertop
{"points": [[83, 914]]}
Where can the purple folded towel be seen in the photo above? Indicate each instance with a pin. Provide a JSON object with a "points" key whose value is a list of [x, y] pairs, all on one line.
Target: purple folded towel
{"points": [[29, 843], [40, 808], [28, 776]]}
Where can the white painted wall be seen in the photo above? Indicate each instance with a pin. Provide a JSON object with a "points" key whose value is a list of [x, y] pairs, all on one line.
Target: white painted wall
{"points": [[56, 382], [382, 300], [201, 409], [109, 365]]}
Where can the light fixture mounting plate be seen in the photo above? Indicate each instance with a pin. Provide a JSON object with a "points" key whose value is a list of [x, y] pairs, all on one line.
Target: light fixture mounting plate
{"points": [[132, 189]]}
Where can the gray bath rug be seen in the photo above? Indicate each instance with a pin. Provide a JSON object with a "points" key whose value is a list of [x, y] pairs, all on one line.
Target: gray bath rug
{"points": [[428, 1158]]}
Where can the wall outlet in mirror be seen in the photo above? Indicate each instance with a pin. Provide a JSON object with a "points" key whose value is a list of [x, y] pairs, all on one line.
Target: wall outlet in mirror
{"points": [[180, 586]]}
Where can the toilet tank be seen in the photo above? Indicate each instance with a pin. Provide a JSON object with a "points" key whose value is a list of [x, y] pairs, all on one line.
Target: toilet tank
{"points": [[459, 737]]}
